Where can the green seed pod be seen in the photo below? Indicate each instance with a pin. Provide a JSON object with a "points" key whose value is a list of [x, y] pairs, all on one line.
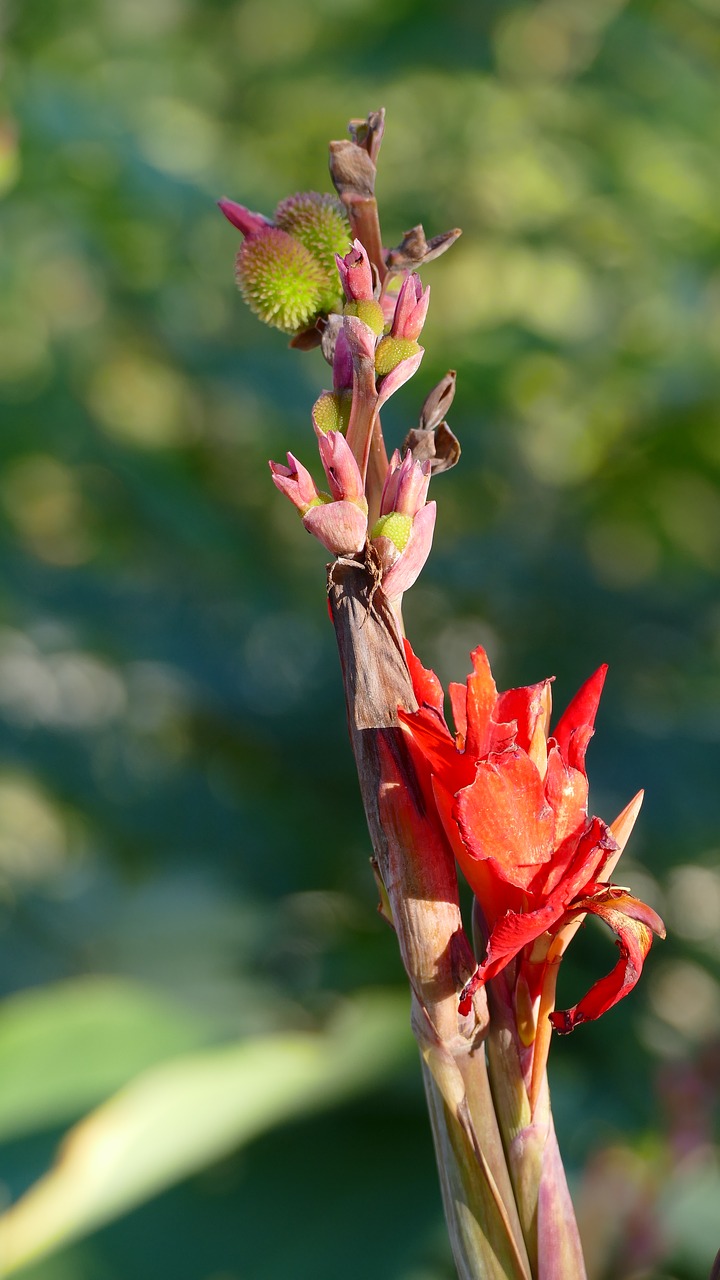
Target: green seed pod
{"points": [[370, 312], [279, 279], [319, 223], [396, 527], [331, 411], [390, 352]]}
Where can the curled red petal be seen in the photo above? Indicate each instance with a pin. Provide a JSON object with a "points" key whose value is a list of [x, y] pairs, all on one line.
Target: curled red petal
{"points": [[516, 928], [634, 923], [577, 724]]}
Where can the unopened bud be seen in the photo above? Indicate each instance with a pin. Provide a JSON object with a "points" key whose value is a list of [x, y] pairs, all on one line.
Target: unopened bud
{"points": [[356, 274]]}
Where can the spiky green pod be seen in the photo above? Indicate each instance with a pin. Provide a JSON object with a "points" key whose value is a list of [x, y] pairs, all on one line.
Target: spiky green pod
{"points": [[279, 279], [319, 223]]}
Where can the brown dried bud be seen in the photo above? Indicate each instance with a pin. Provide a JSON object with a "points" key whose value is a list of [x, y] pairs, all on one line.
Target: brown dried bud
{"points": [[414, 250], [433, 441], [438, 402], [369, 133]]}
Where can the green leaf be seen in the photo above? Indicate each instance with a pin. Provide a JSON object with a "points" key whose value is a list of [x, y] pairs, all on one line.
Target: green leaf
{"points": [[66, 1047], [182, 1115]]}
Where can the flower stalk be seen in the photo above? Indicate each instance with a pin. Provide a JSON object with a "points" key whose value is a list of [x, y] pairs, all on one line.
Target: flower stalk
{"points": [[501, 795]]}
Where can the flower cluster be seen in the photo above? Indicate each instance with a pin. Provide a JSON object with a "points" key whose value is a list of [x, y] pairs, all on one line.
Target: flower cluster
{"points": [[401, 537], [381, 331], [512, 801]]}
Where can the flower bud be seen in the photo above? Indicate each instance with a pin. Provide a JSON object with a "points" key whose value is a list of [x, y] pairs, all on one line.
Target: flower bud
{"points": [[279, 279], [295, 481], [356, 274], [406, 485], [341, 469], [410, 309]]}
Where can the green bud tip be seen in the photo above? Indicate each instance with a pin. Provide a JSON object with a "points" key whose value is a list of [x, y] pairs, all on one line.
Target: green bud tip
{"points": [[319, 223], [394, 526], [390, 351], [331, 411], [370, 312], [279, 279]]}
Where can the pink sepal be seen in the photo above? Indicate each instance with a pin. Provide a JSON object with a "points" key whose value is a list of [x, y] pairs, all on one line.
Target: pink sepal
{"points": [[406, 485], [397, 376], [246, 221], [340, 526], [295, 482], [410, 309], [403, 574], [341, 469], [360, 339]]}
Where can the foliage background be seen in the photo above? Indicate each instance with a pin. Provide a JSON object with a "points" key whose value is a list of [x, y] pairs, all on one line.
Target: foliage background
{"points": [[183, 860]]}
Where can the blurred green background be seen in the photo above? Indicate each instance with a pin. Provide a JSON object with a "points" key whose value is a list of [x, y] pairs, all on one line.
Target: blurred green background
{"points": [[186, 908]]}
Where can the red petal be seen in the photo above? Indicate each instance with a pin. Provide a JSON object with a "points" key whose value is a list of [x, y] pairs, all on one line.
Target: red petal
{"points": [[503, 815], [427, 687], [577, 862], [566, 790], [433, 747], [524, 705], [481, 699], [517, 928], [458, 701], [577, 725], [634, 923]]}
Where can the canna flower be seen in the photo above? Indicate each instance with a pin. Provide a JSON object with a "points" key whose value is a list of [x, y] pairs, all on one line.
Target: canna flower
{"points": [[512, 801]]}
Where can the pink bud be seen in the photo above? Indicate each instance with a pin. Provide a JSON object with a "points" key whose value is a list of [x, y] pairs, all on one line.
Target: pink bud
{"points": [[356, 274], [406, 485], [340, 526], [296, 483], [407, 568], [410, 309], [245, 221], [341, 469]]}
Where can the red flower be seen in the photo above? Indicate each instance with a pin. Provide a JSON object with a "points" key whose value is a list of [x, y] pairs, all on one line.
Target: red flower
{"points": [[513, 804]]}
